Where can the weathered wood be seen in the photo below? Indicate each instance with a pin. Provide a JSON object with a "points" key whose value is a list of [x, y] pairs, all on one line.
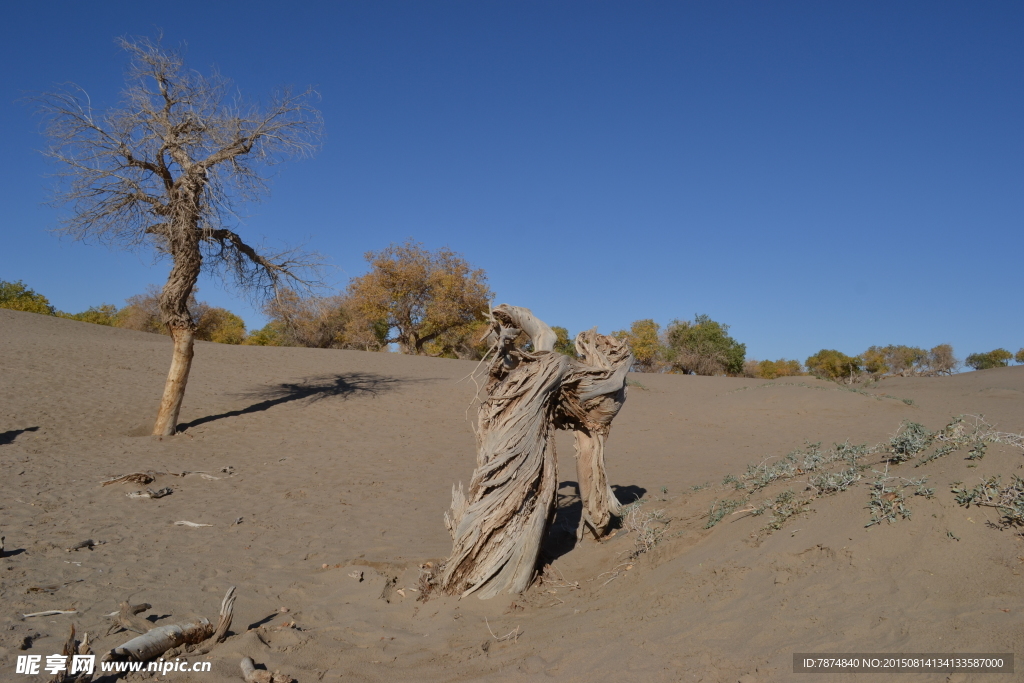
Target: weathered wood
{"points": [[177, 377], [253, 675], [498, 523], [161, 639], [127, 621]]}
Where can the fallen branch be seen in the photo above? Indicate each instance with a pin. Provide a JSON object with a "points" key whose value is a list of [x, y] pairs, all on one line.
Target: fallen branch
{"points": [[190, 524], [134, 478], [150, 493], [125, 619], [88, 543], [161, 639], [227, 611], [49, 613]]}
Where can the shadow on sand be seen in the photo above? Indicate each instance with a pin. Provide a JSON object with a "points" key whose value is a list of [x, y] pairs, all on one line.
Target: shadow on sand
{"points": [[311, 389], [9, 437], [561, 537]]}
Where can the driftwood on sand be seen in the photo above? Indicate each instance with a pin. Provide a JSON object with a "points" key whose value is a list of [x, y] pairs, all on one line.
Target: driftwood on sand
{"points": [[73, 647], [125, 619], [499, 523], [159, 640], [253, 675]]}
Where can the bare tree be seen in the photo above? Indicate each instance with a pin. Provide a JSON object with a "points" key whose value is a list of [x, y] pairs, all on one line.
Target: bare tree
{"points": [[167, 170]]}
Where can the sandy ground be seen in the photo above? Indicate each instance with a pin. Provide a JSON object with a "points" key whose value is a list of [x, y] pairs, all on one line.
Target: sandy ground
{"points": [[341, 462]]}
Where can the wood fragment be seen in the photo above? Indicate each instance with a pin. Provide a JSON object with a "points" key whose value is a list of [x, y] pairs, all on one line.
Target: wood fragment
{"points": [[49, 613], [88, 543], [253, 675], [150, 493], [134, 478], [126, 620], [227, 611], [190, 524]]}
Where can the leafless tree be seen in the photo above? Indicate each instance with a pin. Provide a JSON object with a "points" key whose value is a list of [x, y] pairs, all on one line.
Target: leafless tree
{"points": [[166, 170]]}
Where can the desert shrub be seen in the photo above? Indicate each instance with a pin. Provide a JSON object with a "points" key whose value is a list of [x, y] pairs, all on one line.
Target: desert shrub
{"points": [[997, 358], [104, 314], [887, 502], [703, 347], [271, 334], [782, 507], [910, 439], [834, 365], [17, 297], [719, 509], [645, 343], [643, 524], [1009, 499], [834, 482], [762, 474]]}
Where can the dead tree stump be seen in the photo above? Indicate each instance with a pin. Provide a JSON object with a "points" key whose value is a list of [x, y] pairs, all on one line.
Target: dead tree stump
{"points": [[499, 523]]}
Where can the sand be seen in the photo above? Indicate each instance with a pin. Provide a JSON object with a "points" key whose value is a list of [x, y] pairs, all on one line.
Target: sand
{"points": [[346, 459]]}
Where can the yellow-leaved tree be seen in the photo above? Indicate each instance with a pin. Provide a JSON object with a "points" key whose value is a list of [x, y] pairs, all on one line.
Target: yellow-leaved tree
{"points": [[644, 340], [421, 300]]}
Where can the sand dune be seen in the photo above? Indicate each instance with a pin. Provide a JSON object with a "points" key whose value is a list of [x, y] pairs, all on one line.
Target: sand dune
{"points": [[346, 459]]}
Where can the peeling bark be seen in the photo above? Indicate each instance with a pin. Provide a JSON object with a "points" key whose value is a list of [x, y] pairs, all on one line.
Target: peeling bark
{"points": [[499, 523]]}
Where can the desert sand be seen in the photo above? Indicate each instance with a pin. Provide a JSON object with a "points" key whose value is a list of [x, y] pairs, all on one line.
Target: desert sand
{"points": [[324, 466]]}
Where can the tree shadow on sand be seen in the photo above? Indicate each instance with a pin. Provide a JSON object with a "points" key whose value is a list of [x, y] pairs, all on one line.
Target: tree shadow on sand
{"points": [[9, 437], [310, 389], [561, 536]]}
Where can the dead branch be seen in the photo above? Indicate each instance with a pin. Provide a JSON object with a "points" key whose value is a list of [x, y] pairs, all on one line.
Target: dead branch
{"points": [[125, 620], [158, 640], [135, 478]]}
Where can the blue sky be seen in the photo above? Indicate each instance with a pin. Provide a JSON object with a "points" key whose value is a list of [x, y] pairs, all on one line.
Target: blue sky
{"points": [[816, 175]]}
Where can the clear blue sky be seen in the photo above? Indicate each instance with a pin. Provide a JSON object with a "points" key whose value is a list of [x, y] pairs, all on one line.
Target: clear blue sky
{"points": [[813, 174]]}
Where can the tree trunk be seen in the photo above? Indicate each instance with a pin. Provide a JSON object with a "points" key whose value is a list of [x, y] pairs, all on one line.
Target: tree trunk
{"points": [[177, 378], [188, 260], [498, 525]]}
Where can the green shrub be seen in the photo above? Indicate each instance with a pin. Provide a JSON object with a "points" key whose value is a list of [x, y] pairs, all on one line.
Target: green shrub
{"points": [[911, 439], [703, 347], [17, 297], [104, 314], [998, 358]]}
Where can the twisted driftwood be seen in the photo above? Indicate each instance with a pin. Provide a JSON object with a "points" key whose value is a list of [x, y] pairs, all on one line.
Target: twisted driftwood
{"points": [[159, 640], [498, 524]]}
